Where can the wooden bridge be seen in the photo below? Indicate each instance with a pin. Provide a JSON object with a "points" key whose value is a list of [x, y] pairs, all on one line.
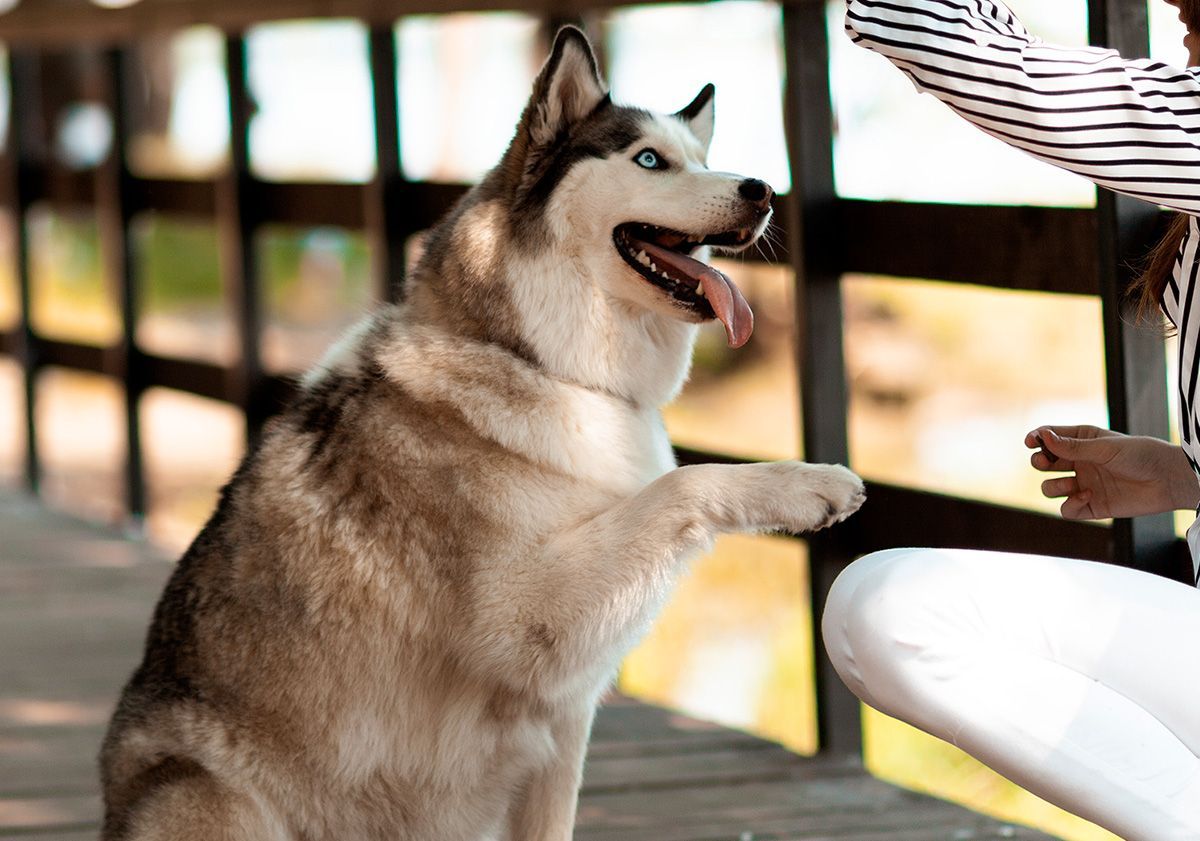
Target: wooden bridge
{"points": [[74, 603]]}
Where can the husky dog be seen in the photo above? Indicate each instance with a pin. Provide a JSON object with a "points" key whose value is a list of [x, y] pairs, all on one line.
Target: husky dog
{"points": [[413, 592]]}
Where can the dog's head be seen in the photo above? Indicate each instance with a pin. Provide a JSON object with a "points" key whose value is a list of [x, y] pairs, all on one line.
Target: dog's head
{"points": [[629, 191], [606, 214]]}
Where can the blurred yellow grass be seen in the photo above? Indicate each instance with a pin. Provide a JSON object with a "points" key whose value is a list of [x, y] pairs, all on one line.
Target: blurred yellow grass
{"points": [[735, 643], [906, 756], [70, 297], [183, 480], [81, 442]]}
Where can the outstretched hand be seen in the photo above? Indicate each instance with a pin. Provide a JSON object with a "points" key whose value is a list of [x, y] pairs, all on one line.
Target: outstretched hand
{"points": [[1113, 475]]}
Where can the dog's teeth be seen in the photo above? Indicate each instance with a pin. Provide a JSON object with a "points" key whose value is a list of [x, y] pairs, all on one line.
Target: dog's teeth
{"points": [[643, 258], [700, 291], [653, 267]]}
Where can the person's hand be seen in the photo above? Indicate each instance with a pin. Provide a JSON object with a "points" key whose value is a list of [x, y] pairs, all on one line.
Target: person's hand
{"points": [[1114, 475]]}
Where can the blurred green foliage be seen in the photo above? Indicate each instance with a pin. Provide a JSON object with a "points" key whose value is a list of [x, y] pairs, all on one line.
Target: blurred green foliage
{"points": [[69, 296], [287, 256], [178, 263]]}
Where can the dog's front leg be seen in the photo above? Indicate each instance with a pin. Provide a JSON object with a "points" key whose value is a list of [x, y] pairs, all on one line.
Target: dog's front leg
{"points": [[595, 587], [544, 810], [558, 624]]}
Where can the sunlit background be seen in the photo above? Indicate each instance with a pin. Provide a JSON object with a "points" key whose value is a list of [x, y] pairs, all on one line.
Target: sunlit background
{"points": [[944, 378]]}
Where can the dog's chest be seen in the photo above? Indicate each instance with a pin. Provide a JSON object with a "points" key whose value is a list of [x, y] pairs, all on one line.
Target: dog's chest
{"points": [[608, 443], [445, 773]]}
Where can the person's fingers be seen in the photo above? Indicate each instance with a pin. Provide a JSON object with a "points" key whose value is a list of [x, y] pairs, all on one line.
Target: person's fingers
{"points": [[1076, 449], [1080, 431], [1056, 446], [1037, 436], [1078, 507], [1063, 486], [1044, 461]]}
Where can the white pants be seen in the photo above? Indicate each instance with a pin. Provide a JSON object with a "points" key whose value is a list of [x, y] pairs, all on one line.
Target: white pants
{"points": [[1076, 680]]}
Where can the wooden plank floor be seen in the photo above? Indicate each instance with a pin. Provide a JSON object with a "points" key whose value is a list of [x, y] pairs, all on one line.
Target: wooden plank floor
{"points": [[74, 602]]}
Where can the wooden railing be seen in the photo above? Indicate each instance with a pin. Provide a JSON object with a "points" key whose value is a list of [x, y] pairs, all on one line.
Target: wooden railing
{"points": [[827, 236]]}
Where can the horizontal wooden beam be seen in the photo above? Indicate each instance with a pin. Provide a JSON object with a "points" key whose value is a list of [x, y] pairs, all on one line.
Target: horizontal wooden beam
{"points": [[1027, 248], [895, 516], [1045, 249], [421, 204], [77, 356], [1039, 249], [285, 203], [205, 379], [60, 22], [175, 196], [301, 204], [56, 186]]}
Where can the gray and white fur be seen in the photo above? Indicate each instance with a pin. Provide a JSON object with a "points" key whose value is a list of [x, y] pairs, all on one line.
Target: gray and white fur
{"points": [[399, 620]]}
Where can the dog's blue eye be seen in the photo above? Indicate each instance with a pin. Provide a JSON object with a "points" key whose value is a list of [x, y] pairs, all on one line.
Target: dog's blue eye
{"points": [[649, 159]]}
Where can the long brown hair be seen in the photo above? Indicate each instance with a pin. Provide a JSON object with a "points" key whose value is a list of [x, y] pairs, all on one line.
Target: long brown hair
{"points": [[1147, 291]]}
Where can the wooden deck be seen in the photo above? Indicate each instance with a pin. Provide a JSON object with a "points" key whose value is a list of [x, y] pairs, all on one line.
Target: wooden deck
{"points": [[74, 602]]}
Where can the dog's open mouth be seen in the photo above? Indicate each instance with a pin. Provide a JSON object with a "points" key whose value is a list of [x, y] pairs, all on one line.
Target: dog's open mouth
{"points": [[663, 257]]}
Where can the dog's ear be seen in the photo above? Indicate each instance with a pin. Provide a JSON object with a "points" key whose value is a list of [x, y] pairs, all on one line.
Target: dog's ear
{"points": [[699, 115], [566, 90]]}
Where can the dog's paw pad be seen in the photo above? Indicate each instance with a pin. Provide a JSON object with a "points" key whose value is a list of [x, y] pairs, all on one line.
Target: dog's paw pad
{"points": [[841, 491]]}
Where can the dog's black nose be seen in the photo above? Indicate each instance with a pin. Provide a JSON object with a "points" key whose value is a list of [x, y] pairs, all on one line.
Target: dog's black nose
{"points": [[758, 192]]}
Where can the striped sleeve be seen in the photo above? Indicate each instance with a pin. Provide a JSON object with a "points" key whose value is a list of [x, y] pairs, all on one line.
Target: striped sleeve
{"points": [[1130, 125]]}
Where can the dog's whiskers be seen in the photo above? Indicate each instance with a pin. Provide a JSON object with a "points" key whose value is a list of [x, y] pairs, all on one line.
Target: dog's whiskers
{"points": [[768, 242]]}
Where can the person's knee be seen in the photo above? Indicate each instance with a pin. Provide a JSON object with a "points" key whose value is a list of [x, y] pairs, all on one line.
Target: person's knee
{"points": [[889, 618], [873, 598]]}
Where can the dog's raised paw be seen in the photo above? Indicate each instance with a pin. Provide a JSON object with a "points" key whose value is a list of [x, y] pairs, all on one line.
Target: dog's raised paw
{"points": [[841, 489], [822, 495]]}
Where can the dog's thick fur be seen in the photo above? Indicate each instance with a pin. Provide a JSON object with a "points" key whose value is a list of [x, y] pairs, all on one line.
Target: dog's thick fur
{"points": [[399, 620]]}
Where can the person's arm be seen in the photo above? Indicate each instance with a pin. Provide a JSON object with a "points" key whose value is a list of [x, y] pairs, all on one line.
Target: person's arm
{"points": [[1130, 125]]}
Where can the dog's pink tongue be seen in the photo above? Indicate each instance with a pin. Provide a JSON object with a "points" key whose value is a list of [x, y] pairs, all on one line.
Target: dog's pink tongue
{"points": [[729, 304], [723, 296]]}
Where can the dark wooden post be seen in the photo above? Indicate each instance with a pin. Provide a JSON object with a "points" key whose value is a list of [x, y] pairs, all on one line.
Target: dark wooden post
{"points": [[113, 211], [23, 128], [238, 211], [811, 223], [1135, 358], [385, 229]]}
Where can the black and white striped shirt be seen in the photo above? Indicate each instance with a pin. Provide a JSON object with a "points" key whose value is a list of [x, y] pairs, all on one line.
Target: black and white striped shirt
{"points": [[1132, 125]]}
